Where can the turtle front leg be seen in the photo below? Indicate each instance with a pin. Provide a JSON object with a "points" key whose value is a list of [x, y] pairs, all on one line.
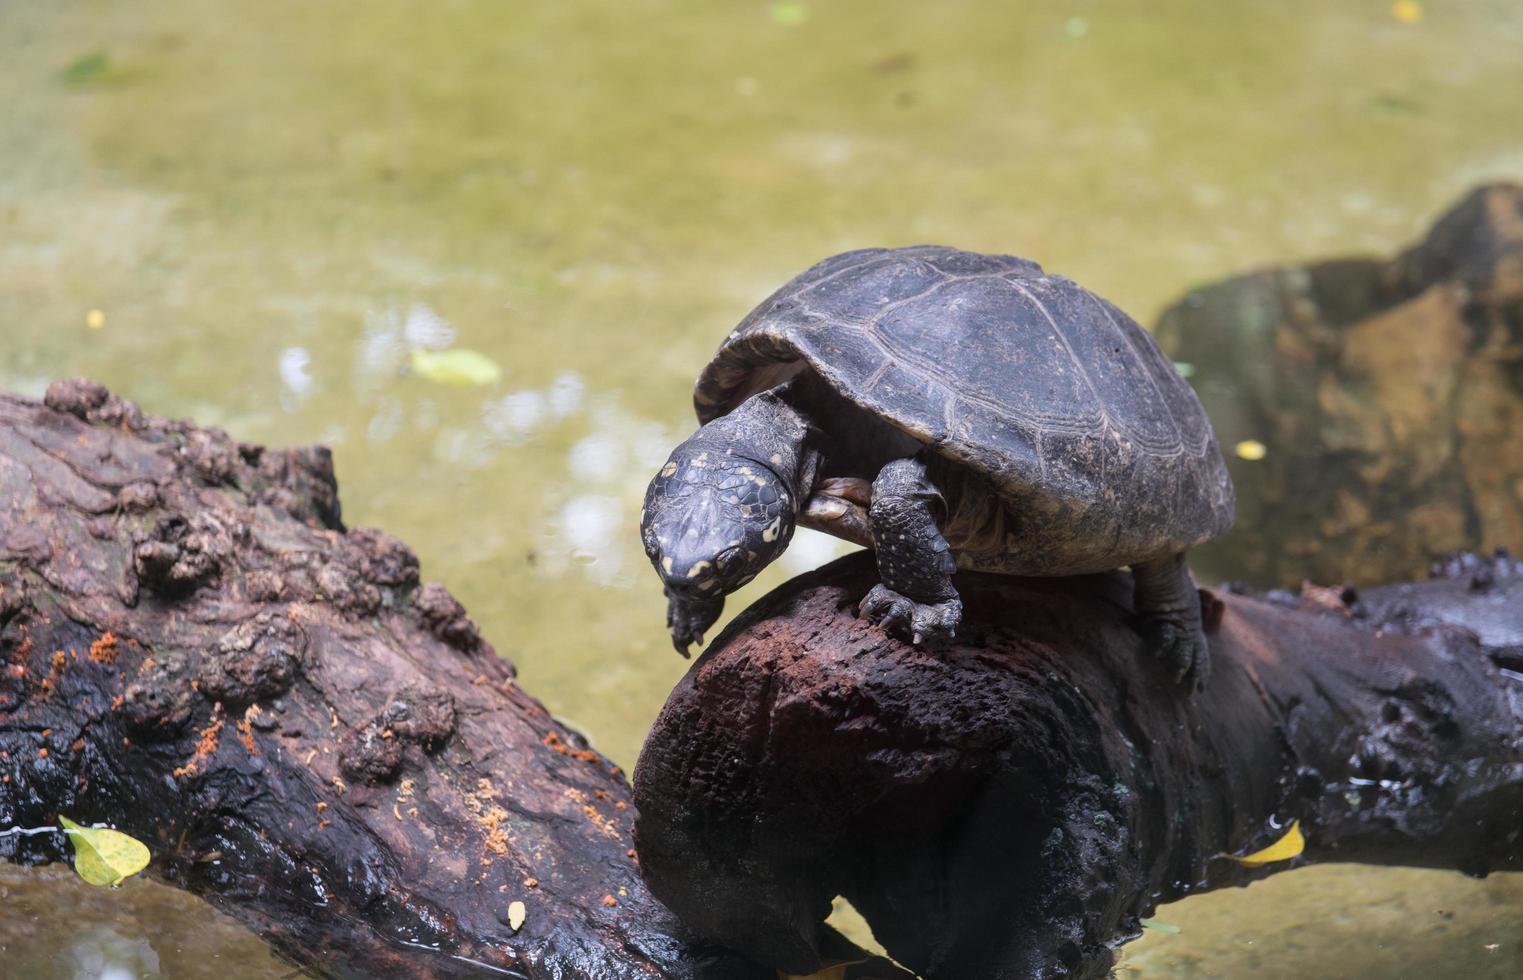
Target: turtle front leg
{"points": [[914, 561], [1165, 597]]}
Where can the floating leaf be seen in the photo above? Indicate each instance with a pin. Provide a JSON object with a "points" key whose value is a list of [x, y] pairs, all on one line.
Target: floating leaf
{"points": [[104, 857], [790, 13], [1394, 102], [1289, 846], [1251, 450], [517, 913], [1185, 369], [1172, 930], [86, 68], [455, 367], [1407, 11]]}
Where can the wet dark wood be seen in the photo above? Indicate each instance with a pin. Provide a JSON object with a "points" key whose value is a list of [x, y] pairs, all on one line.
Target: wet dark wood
{"points": [[1010, 806], [194, 650]]}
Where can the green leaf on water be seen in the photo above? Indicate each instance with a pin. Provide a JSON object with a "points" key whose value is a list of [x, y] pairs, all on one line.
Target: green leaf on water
{"points": [[455, 367], [1160, 926], [790, 13], [104, 857], [86, 68]]}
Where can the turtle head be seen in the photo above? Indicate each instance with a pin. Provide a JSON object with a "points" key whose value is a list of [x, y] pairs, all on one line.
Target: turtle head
{"points": [[712, 520]]}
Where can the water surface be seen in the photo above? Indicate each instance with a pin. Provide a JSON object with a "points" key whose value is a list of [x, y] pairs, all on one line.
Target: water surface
{"points": [[270, 206]]}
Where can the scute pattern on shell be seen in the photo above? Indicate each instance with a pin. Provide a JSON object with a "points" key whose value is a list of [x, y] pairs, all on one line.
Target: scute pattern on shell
{"points": [[1100, 452]]}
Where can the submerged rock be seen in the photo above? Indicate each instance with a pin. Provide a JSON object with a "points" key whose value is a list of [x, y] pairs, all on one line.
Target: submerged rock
{"points": [[1388, 396]]}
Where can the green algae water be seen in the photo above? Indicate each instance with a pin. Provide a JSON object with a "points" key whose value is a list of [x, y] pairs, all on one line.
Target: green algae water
{"points": [[254, 214]]}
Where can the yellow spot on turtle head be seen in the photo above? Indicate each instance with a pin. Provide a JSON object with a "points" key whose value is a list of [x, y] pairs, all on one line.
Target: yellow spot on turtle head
{"points": [[770, 534], [666, 563], [777, 459], [698, 569], [668, 469]]}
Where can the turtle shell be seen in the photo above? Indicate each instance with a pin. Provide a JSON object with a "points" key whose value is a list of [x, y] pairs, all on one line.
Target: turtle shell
{"points": [[1053, 397]]}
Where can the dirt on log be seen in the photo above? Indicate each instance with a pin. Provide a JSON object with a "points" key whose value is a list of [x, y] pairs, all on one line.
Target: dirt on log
{"points": [[1387, 392], [195, 651], [1008, 807]]}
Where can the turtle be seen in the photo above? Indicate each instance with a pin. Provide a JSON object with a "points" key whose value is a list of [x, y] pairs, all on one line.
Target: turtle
{"points": [[949, 410]]}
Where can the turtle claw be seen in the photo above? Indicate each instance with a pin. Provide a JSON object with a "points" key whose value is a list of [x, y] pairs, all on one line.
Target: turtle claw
{"points": [[927, 624], [1182, 648]]}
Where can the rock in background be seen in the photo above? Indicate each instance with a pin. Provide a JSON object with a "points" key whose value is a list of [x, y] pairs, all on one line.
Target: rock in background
{"points": [[1388, 395]]}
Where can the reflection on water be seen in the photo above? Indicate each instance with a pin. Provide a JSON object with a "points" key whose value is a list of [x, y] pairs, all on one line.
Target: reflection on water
{"points": [[272, 210], [56, 927]]}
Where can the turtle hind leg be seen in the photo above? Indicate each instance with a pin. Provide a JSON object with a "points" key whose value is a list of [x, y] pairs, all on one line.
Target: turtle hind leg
{"points": [[1169, 607]]}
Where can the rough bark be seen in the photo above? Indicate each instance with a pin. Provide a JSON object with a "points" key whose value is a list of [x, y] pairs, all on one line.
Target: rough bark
{"points": [[1388, 393], [1009, 807], [194, 650]]}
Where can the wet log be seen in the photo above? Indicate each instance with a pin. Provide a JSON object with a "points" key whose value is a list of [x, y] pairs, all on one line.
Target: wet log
{"points": [[1388, 393], [194, 650], [1010, 806]]}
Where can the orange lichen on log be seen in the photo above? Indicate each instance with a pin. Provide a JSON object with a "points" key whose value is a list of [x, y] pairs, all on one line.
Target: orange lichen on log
{"points": [[105, 649], [610, 901], [206, 746], [496, 839], [50, 682], [488, 815], [246, 729], [557, 744], [607, 825]]}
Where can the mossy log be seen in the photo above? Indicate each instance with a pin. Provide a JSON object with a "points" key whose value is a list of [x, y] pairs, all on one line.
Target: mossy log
{"points": [[1388, 394], [195, 651], [1010, 806]]}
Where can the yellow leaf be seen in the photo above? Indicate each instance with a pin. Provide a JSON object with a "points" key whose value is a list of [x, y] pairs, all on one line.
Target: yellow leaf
{"points": [[104, 857], [517, 913], [1289, 846], [455, 367], [1251, 450]]}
